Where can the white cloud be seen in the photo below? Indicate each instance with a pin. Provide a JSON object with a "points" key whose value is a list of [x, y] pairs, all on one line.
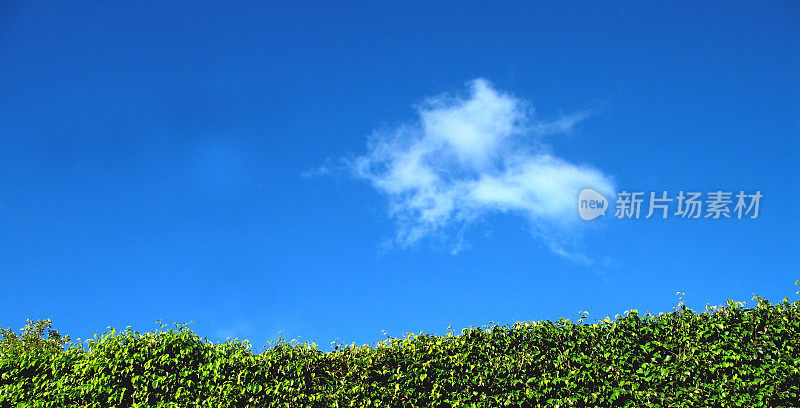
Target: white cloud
{"points": [[467, 157], [239, 330]]}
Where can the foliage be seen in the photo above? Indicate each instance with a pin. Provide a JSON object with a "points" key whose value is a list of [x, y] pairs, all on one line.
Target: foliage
{"points": [[729, 356], [32, 338]]}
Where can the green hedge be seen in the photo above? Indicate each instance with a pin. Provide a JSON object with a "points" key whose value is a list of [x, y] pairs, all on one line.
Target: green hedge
{"points": [[730, 356]]}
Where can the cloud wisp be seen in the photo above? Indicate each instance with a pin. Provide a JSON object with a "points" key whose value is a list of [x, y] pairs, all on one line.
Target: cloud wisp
{"points": [[469, 156]]}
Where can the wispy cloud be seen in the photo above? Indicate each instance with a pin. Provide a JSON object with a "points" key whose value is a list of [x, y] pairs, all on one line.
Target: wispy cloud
{"points": [[238, 330], [472, 155]]}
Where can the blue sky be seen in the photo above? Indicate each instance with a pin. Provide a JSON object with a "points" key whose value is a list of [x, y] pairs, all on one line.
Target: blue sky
{"points": [[331, 171]]}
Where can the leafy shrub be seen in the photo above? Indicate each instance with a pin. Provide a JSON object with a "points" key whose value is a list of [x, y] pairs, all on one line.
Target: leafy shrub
{"points": [[729, 356], [32, 338]]}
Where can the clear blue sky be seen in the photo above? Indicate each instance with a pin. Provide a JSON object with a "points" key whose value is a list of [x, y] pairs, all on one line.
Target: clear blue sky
{"points": [[200, 162]]}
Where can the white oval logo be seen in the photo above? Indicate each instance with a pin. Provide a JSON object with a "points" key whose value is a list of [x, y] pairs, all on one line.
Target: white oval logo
{"points": [[591, 204]]}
